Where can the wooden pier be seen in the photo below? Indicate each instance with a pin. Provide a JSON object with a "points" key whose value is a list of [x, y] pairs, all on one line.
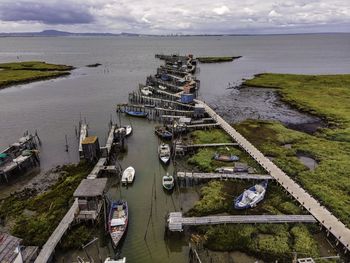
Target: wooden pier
{"points": [[223, 176], [176, 221], [82, 136], [110, 139], [203, 145], [202, 126], [50, 245], [97, 168], [330, 222]]}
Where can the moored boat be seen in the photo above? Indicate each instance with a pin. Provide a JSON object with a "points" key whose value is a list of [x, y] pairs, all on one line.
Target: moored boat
{"points": [[164, 153], [249, 198], [136, 113], [128, 175], [225, 158], [109, 260], [168, 181], [163, 133], [128, 130], [118, 221]]}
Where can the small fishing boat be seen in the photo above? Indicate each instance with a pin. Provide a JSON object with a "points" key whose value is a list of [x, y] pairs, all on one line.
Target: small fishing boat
{"points": [[136, 113], [168, 181], [146, 91], [128, 175], [164, 153], [225, 158], [163, 133], [225, 170], [162, 87], [118, 221], [249, 198], [128, 130]]}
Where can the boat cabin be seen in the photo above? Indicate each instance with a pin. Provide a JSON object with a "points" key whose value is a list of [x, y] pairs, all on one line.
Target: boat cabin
{"points": [[90, 193]]}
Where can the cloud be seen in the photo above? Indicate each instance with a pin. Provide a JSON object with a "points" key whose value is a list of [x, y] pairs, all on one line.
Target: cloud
{"points": [[50, 13], [181, 16]]}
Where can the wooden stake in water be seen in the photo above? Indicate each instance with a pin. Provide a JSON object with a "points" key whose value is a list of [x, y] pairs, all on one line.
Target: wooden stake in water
{"points": [[67, 146]]}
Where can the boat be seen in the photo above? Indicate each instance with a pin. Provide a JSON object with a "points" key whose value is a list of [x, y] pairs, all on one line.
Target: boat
{"points": [[118, 221], [128, 130], [225, 170], [168, 181], [128, 175], [136, 113], [238, 168], [164, 153], [109, 260], [163, 133], [162, 87], [225, 158], [146, 91], [249, 198]]}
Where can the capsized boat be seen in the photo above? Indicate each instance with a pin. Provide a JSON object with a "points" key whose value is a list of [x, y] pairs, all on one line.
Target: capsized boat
{"points": [[128, 175], [168, 181], [225, 158], [164, 153], [118, 221], [249, 198], [163, 133], [136, 113]]}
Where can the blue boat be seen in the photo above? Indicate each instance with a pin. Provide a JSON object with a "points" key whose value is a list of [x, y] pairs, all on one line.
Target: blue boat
{"points": [[225, 158], [118, 221], [163, 133], [165, 77], [249, 198], [137, 113]]}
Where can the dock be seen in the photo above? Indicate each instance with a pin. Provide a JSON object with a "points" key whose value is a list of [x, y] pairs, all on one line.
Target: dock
{"points": [[97, 168], [202, 126], [324, 217], [176, 221], [204, 145], [223, 176], [50, 245], [110, 139], [82, 136]]}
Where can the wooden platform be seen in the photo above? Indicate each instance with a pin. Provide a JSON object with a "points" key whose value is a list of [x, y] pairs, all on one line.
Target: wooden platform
{"points": [[329, 221], [49, 247], [202, 126], [97, 168], [203, 145], [221, 176], [82, 136], [176, 221]]}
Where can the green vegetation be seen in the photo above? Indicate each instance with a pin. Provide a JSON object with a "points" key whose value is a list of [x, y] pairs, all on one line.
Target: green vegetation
{"points": [[327, 96], [210, 136], [77, 236], [269, 242], [23, 72], [216, 59], [33, 218]]}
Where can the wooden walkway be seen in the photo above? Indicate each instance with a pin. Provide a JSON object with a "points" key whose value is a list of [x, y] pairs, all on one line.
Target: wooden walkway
{"points": [[330, 222], [97, 168], [176, 221], [190, 146], [110, 139], [202, 126], [82, 136], [49, 247], [222, 176]]}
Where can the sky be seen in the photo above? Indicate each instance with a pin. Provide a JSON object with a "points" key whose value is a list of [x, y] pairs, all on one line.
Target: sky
{"points": [[176, 17]]}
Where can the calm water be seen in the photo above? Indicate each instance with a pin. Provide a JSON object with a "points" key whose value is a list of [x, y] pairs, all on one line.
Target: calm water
{"points": [[54, 107]]}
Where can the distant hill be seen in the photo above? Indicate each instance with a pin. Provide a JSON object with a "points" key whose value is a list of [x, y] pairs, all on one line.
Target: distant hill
{"points": [[54, 33]]}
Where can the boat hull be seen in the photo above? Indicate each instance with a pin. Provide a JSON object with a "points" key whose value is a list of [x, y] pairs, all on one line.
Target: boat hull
{"points": [[121, 234], [238, 205], [138, 114]]}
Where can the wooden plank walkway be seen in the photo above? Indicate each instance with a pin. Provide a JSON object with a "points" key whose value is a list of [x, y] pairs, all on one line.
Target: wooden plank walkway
{"points": [[110, 139], [97, 168], [202, 126], [176, 221], [82, 136], [47, 250], [222, 176], [209, 145], [330, 222], [167, 101]]}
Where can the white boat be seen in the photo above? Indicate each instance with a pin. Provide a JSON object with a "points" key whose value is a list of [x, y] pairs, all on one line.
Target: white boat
{"points": [[128, 175], [109, 260], [162, 87], [168, 181], [164, 153], [128, 130], [249, 198], [225, 170], [146, 91]]}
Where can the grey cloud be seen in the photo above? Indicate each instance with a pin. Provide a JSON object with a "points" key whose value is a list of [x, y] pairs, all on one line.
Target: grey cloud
{"points": [[58, 12]]}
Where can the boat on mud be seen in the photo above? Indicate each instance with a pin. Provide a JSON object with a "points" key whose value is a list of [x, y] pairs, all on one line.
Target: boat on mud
{"points": [[225, 158], [139, 114], [163, 133], [118, 221], [249, 198], [128, 175], [164, 153], [168, 182]]}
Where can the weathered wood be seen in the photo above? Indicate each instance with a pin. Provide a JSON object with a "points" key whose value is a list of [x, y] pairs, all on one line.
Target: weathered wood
{"points": [[176, 221], [83, 134], [222, 176], [208, 145]]}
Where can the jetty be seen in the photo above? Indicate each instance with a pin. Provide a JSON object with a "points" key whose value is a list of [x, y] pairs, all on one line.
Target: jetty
{"points": [[82, 135], [222, 176], [176, 221]]}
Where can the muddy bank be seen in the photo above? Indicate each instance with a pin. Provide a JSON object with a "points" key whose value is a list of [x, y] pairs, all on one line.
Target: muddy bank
{"points": [[263, 104]]}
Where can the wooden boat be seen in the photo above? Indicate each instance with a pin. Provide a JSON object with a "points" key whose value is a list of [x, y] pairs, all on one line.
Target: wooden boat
{"points": [[146, 91], [118, 221], [128, 130], [163, 133], [164, 153], [168, 181], [136, 113], [128, 175], [225, 170], [249, 198], [225, 158]]}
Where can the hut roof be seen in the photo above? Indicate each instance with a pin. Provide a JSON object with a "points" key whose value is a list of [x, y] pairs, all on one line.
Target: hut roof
{"points": [[91, 187], [89, 140]]}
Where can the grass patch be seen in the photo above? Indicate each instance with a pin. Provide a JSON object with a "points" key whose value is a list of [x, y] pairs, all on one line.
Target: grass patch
{"points": [[24, 72], [266, 241], [210, 136], [329, 182], [327, 96], [48, 208], [216, 59]]}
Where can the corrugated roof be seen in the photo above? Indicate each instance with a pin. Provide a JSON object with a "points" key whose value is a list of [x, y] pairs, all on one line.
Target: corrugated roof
{"points": [[89, 140], [91, 187]]}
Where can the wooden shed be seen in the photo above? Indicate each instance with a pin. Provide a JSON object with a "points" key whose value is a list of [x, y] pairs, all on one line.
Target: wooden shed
{"points": [[90, 194], [91, 148]]}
